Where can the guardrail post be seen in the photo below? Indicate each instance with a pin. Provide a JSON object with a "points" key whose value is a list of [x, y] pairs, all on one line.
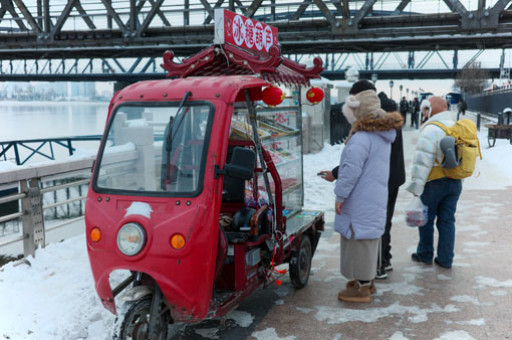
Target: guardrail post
{"points": [[478, 120], [32, 220]]}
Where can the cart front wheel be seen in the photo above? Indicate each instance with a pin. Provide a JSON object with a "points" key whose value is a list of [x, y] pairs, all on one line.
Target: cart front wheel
{"points": [[491, 140], [134, 324], [300, 263]]}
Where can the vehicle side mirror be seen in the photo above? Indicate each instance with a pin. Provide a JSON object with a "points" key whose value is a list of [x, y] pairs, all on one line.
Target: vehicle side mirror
{"points": [[242, 164]]}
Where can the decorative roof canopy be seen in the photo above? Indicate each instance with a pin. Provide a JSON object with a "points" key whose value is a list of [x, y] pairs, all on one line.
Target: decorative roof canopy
{"points": [[226, 59]]}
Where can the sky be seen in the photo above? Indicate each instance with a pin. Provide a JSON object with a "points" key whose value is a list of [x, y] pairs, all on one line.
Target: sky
{"points": [[52, 296]]}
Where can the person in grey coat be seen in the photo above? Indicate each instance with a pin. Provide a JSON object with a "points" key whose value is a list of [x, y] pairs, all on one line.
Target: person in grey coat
{"points": [[362, 191]]}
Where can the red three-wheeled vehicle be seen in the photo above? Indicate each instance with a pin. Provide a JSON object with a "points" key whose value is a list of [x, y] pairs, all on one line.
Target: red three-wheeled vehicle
{"points": [[197, 191]]}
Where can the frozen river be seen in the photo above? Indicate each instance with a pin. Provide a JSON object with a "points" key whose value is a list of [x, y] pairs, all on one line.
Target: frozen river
{"points": [[35, 120], [31, 120]]}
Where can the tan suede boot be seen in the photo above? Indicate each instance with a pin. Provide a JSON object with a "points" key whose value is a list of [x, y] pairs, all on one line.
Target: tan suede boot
{"points": [[373, 289], [355, 293]]}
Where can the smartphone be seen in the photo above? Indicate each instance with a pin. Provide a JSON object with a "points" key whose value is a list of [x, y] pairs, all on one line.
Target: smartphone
{"points": [[320, 174]]}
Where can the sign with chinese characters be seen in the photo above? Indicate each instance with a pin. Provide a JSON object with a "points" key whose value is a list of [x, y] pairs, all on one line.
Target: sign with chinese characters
{"points": [[235, 29]]}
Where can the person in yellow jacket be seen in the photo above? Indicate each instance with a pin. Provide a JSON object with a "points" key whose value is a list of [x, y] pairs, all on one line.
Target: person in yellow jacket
{"points": [[439, 194]]}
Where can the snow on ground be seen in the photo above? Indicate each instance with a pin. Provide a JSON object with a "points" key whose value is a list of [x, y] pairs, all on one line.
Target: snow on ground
{"points": [[52, 296]]}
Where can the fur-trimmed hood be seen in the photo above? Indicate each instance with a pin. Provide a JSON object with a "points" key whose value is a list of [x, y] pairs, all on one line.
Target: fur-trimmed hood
{"points": [[389, 121]]}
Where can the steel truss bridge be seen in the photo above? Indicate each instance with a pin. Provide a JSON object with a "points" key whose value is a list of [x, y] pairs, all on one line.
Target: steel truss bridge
{"points": [[123, 40]]}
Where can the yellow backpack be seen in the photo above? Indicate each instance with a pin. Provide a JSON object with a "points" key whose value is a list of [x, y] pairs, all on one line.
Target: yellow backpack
{"points": [[468, 147]]}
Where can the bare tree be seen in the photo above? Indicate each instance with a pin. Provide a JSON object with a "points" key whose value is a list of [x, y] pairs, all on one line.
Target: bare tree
{"points": [[472, 78]]}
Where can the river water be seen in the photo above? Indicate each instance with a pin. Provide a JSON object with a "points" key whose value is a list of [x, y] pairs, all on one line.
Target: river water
{"points": [[35, 120], [31, 120]]}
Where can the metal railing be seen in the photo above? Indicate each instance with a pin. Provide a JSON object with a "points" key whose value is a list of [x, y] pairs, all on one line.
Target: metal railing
{"points": [[34, 146], [29, 181]]}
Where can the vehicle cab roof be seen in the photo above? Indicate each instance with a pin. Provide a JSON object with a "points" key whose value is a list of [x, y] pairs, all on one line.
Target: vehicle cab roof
{"points": [[225, 88]]}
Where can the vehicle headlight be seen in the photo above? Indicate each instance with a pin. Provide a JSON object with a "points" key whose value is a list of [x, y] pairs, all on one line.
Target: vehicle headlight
{"points": [[131, 239]]}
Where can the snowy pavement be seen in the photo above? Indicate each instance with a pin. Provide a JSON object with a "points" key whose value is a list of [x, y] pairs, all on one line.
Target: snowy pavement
{"points": [[52, 296]]}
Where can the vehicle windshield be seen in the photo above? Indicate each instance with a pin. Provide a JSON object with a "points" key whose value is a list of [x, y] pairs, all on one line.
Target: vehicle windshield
{"points": [[155, 148]]}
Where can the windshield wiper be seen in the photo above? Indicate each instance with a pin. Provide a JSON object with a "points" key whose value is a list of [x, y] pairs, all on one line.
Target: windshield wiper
{"points": [[169, 137]]}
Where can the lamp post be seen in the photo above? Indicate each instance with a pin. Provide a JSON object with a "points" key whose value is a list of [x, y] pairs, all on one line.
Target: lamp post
{"points": [[400, 88], [407, 91], [391, 83], [374, 78]]}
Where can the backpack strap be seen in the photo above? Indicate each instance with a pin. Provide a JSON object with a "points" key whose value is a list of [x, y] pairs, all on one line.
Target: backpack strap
{"points": [[437, 171], [440, 125]]}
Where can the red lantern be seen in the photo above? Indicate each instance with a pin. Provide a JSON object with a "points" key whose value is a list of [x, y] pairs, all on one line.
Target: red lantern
{"points": [[315, 95], [273, 95]]}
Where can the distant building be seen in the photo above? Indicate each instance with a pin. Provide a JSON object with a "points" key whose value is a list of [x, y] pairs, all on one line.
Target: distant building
{"points": [[84, 90]]}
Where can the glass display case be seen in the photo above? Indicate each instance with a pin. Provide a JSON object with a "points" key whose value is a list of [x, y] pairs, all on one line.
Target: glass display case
{"points": [[279, 130]]}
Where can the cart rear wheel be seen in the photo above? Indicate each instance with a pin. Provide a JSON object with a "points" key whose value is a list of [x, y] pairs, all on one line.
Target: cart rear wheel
{"points": [[134, 324], [300, 263], [491, 140]]}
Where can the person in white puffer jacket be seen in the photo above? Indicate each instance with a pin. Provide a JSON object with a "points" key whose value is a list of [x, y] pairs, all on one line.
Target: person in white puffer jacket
{"points": [[440, 195]]}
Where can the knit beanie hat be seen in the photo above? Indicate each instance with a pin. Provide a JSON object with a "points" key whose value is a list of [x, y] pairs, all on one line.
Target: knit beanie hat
{"points": [[388, 105], [360, 86], [361, 105]]}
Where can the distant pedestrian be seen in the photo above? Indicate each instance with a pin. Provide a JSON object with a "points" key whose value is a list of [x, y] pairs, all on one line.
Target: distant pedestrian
{"points": [[439, 194], [361, 189], [404, 108], [462, 106], [415, 112]]}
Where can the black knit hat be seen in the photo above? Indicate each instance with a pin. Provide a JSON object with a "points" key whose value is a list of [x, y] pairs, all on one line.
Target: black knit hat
{"points": [[388, 105], [360, 86]]}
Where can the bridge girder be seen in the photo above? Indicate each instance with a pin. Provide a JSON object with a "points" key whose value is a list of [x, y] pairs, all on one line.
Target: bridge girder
{"points": [[121, 28]]}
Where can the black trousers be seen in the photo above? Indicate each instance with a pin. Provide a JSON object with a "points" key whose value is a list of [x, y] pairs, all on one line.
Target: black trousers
{"points": [[386, 237]]}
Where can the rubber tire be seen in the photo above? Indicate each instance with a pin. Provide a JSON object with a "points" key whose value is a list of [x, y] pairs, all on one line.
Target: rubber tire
{"points": [[137, 309], [300, 263]]}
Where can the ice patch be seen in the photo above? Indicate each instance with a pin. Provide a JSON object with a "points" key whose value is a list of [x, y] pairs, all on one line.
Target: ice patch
{"points": [[305, 310], [210, 333], [340, 315], [463, 228], [475, 322], [279, 302], [483, 282], [270, 334], [479, 234], [499, 293], [466, 298], [327, 246], [334, 277], [282, 291], [419, 269], [442, 277], [325, 256], [139, 208], [476, 244], [398, 336], [241, 318], [465, 265], [455, 335], [400, 288]]}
